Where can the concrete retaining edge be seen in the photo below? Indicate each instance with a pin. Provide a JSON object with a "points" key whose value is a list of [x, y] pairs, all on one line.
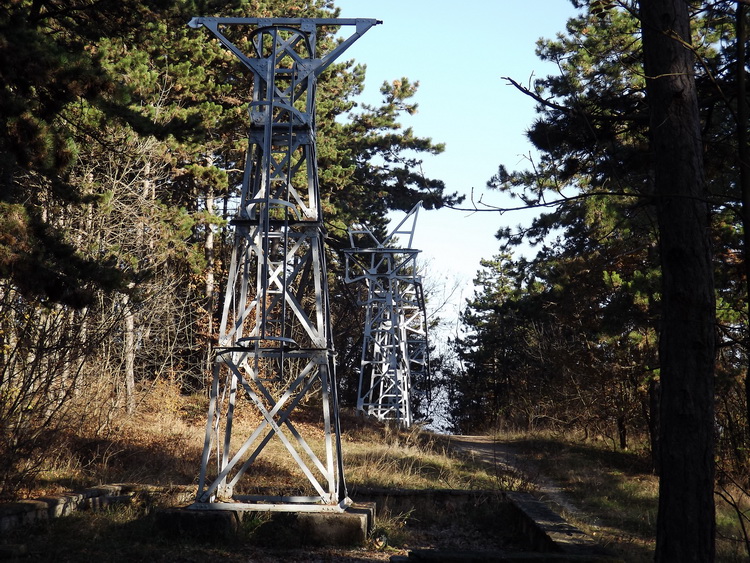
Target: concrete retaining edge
{"points": [[548, 532], [544, 530], [27, 512]]}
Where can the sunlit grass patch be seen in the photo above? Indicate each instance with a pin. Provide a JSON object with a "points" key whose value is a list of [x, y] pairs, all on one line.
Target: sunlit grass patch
{"points": [[411, 467]]}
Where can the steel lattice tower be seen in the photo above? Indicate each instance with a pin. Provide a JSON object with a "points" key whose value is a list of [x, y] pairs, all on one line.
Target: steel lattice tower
{"points": [[275, 347], [394, 346]]}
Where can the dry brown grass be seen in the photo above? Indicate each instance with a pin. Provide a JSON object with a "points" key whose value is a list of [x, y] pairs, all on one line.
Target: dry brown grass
{"points": [[161, 444]]}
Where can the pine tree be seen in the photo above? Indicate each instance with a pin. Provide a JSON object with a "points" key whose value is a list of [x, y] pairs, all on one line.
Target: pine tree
{"points": [[686, 524]]}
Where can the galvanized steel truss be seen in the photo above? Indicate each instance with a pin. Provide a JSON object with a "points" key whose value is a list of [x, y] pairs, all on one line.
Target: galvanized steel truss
{"points": [[394, 347], [275, 348]]}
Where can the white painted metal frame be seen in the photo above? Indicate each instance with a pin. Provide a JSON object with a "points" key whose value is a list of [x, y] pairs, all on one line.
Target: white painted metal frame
{"points": [[394, 346], [275, 347]]}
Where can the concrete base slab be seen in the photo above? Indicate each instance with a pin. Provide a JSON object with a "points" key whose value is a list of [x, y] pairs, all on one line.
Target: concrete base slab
{"points": [[286, 529]]}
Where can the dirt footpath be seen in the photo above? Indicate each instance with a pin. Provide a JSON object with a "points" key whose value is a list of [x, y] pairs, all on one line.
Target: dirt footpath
{"points": [[503, 457]]}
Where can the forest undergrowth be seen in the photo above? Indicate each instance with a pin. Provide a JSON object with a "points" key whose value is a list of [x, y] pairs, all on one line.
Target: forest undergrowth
{"points": [[161, 444], [617, 493]]}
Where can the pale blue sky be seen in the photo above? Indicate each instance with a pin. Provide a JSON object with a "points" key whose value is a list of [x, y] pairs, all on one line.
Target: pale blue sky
{"points": [[458, 51]]}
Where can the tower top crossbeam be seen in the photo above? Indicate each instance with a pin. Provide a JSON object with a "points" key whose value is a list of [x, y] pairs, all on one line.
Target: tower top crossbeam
{"points": [[306, 25]]}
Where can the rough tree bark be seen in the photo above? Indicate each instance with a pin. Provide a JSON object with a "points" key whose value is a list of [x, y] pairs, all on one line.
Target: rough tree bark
{"points": [[685, 523], [743, 153]]}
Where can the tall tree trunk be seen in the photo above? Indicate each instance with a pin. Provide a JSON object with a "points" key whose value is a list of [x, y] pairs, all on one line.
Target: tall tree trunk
{"points": [[129, 353], [743, 153], [209, 248], [685, 523], [654, 396]]}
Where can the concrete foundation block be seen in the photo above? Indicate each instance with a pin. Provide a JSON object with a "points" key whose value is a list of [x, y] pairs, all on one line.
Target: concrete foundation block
{"points": [[199, 525], [270, 529], [315, 529]]}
